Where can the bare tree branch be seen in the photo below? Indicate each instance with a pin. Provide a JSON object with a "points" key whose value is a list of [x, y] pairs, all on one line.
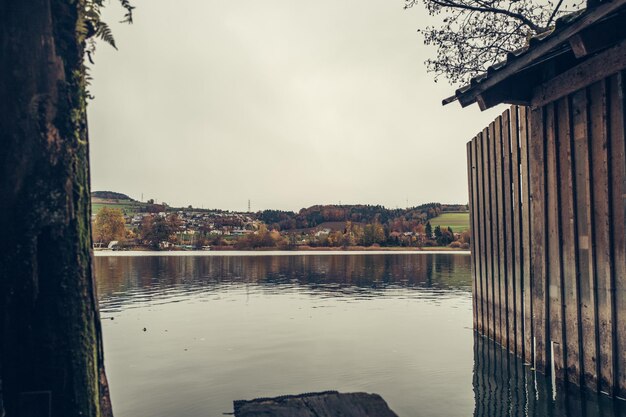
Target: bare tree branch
{"points": [[483, 8], [474, 34], [554, 12]]}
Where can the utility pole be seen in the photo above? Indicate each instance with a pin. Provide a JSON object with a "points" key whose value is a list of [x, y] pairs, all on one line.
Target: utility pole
{"points": [[249, 211]]}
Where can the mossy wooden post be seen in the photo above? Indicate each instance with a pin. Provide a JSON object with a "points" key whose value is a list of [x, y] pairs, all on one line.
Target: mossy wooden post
{"points": [[50, 340]]}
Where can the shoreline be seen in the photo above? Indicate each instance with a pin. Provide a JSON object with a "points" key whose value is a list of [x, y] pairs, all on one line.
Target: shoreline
{"points": [[110, 253]]}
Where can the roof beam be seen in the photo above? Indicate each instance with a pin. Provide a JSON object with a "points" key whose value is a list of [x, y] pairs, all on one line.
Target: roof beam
{"points": [[598, 37], [590, 71]]}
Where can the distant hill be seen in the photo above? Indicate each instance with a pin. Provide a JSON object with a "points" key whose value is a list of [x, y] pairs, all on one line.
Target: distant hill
{"points": [[110, 195]]}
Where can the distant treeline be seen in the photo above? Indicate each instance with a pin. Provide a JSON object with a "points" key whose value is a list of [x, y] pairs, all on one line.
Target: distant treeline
{"points": [[395, 219], [110, 195]]}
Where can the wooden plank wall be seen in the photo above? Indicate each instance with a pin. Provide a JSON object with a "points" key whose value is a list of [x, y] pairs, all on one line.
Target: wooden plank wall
{"points": [[548, 216]]}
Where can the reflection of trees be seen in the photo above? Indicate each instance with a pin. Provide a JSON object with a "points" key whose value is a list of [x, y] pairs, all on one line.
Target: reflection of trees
{"points": [[118, 275], [504, 387]]}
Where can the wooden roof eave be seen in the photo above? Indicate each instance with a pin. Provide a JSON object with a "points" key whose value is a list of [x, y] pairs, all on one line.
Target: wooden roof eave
{"points": [[486, 92]]}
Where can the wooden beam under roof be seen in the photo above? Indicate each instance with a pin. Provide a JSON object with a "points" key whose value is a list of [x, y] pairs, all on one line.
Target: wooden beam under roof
{"points": [[600, 36], [592, 70]]}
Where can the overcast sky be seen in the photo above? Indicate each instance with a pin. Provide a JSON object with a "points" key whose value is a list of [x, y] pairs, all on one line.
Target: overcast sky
{"points": [[288, 103]]}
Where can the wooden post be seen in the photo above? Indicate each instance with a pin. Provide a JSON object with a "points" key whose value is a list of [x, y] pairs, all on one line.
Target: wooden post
{"points": [[470, 175], [617, 166], [517, 231], [568, 243], [601, 234], [484, 322], [509, 240], [525, 199], [585, 238], [495, 243], [538, 275], [476, 235], [554, 298], [488, 235], [501, 235]]}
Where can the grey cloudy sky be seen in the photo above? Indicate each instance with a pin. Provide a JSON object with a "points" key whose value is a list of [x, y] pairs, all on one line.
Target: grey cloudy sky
{"points": [[288, 103]]}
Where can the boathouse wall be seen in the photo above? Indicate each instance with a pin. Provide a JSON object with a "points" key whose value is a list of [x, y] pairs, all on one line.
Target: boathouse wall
{"points": [[547, 187]]}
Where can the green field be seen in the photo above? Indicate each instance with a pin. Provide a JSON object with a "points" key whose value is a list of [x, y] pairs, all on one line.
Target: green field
{"points": [[127, 207], [458, 221]]}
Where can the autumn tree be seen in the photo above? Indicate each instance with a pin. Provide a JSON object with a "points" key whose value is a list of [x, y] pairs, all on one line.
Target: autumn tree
{"points": [[373, 233], [262, 238], [443, 236], [109, 225], [156, 229], [471, 35]]}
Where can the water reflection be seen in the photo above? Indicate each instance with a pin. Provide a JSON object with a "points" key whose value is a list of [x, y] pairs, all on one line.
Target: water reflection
{"points": [[129, 279], [188, 335], [504, 387]]}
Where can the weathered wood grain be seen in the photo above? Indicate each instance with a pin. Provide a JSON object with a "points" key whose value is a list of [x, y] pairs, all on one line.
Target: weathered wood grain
{"points": [[527, 310], [495, 240], [475, 236], [548, 193], [517, 231], [537, 168], [554, 312], [501, 235], [509, 237], [617, 166], [470, 186], [584, 238], [480, 176], [487, 224], [601, 232], [569, 254]]}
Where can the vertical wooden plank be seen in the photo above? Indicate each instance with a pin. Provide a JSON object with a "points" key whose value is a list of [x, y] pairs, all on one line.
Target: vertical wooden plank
{"points": [[501, 236], [508, 229], [476, 237], [517, 230], [495, 262], [480, 141], [537, 168], [617, 166], [525, 202], [554, 276], [568, 242], [470, 174], [601, 232], [585, 239], [488, 234]]}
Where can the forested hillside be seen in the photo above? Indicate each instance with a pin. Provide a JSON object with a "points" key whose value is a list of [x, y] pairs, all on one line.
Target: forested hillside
{"points": [[400, 220]]}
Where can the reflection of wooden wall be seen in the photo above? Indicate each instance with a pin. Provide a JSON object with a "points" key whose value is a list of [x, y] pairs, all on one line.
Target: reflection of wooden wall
{"points": [[504, 387], [547, 197]]}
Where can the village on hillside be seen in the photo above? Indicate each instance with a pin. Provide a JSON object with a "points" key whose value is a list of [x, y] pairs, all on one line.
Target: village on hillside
{"points": [[122, 223]]}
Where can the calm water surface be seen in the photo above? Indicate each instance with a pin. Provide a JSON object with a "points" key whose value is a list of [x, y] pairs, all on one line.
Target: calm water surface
{"points": [[187, 335]]}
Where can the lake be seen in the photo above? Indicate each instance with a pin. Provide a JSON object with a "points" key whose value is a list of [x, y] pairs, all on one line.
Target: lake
{"points": [[186, 334]]}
